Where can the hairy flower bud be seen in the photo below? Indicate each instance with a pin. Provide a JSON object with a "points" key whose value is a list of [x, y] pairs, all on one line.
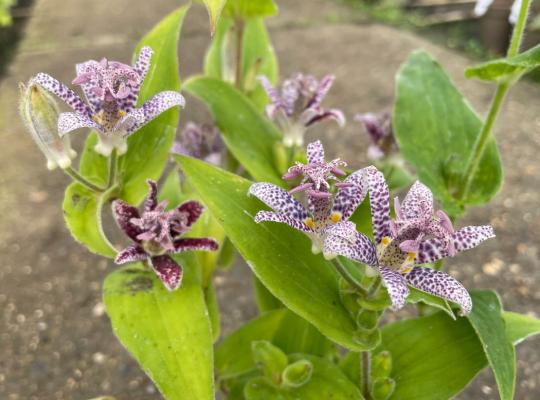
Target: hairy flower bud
{"points": [[39, 112], [383, 388], [381, 365], [297, 374], [270, 359]]}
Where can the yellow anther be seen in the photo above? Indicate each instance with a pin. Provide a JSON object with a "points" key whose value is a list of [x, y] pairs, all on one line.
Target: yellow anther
{"points": [[406, 270], [335, 217], [309, 222], [98, 117], [411, 256], [121, 113], [385, 240]]}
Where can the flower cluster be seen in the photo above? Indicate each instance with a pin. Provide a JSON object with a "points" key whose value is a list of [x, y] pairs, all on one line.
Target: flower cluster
{"points": [[416, 236], [298, 105], [111, 90], [156, 234]]}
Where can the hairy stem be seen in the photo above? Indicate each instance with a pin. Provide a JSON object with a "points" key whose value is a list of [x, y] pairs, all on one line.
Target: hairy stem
{"points": [[113, 166], [519, 29], [366, 372], [344, 272], [82, 180]]}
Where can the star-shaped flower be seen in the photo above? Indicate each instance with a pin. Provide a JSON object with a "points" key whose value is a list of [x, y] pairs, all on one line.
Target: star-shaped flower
{"points": [[416, 236], [325, 213], [156, 233], [111, 90], [298, 105]]}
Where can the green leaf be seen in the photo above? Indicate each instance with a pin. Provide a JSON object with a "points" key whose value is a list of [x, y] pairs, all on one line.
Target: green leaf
{"points": [[154, 140], [82, 213], [281, 257], [327, 381], [436, 128], [248, 134], [416, 296], [265, 300], [487, 320], [519, 327], [252, 8], [506, 69], [433, 357], [168, 333], [213, 310], [214, 8]]}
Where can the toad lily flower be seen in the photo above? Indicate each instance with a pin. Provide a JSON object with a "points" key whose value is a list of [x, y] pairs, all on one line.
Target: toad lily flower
{"points": [[298, 106], [326, 212], [111, 90], [416, 236], [156, 234], [379, 129]]}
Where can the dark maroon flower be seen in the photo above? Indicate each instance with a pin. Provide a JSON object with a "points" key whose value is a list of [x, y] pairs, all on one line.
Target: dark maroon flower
{"points": [[156, 233]]}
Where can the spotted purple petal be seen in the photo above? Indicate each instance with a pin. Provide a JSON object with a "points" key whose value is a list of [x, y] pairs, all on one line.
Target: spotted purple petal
{"points": [[190, 244], [418, 203], [131, 253], [69, 121], [379, 198], [279, 200], [440, 284], [464, 239], [334, 114], [150, 203], [320, 207], [141, 67], [63, 92], [193, 209], [322, 90], [315, 153], [92, 99], [396, 285], [275, 98], [349, 197], [168, 271], [284, 219], [123, 213], [343, 239], [154, 107]]}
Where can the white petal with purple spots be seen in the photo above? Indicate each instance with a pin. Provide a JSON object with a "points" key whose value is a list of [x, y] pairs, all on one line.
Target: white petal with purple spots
{"points": [[279, 200], [284, 219], [69, 121], [396, 285], [418, 202]]}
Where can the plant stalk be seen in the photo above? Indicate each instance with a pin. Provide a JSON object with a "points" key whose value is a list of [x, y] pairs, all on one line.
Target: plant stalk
{"points": [[496, 102], [113, 166], [82, 180], [344, 272], [366, 372], [239, 25]]}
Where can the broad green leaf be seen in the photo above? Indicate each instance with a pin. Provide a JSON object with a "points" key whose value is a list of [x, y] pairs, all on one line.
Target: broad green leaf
{"points": [[519, 327], [265, 300], [153, 141], [416, 296], [248, 134], [214, 8], [487, 320], [327, 381], [93, 166], [506, 69], [279, 256], [436, 128], [168, 333], [252, 8], [82, 213], [213, 310], [433, 357]]}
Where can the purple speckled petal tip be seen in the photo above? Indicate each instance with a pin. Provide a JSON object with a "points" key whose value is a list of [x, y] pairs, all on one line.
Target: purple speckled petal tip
{"points": [[54, 86], [343, 239], [379, 198], [154, 107], [279, 200], [418, 202], [193, 244], [168, 271], [284, 219], [315, 153], [193, 209], [350, 196], [396, 285], [123, 213], [69, 121], [131, 253]]}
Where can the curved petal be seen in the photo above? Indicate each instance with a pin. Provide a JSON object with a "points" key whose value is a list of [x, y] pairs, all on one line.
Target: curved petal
{"points": [[123, 213], [168, 271], [284, 219], [141, 67], [349, 197], [379, 199], [152, 108], [91, 98], [320, 93], [396, 285], [321, 115], [150, 203], [71, 98], [442, 285], [315, 153], [418, 202], [131, 253], [193, 244], [279, 200], [275, 99], [69, 121], [343, 239], [193, 208], [464, 239]]}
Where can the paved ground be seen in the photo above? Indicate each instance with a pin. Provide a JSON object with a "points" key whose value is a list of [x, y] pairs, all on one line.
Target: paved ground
{"points": [[55, 339]]}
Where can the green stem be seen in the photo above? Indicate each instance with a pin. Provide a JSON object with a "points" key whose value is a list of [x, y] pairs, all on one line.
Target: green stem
{"points": [[344, 272], [83, 181], [239, 25], [366, 372], [496, 102], [113, 167]]}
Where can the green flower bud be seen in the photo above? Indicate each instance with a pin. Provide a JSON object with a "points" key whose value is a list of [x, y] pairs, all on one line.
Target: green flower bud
{"points": [[379, 302], [381, 365], [368, 340], [368, 319], [297, 373], [40, 115], [270, 359], [382, 388]]}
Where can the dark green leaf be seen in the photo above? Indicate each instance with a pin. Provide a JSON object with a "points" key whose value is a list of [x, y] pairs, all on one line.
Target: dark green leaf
{"points": [[280, 256], [248, 134], [506, 69], [153, 141], [519, 327], [436, 129], [168, 333]]}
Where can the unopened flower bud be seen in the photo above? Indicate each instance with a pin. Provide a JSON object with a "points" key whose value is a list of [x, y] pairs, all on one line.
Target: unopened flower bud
{"points": [[40, 115], [382, 389], [368, 319], [368, 340], [270, 359], [381, 365], [297, 373]]}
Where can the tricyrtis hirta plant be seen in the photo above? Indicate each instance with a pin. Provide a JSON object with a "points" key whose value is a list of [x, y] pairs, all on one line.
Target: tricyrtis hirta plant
{"points": [[330, 252]]}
